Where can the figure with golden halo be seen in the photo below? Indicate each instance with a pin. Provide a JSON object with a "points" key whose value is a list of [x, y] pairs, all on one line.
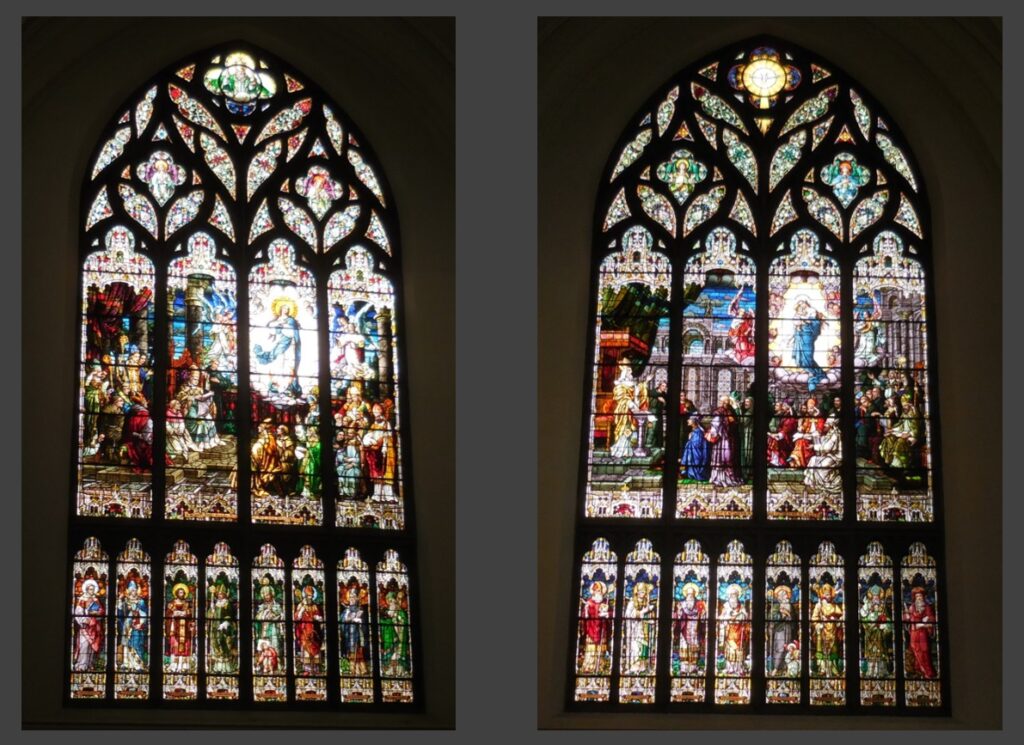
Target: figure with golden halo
{"points": [[180, 628], [285, 341]]}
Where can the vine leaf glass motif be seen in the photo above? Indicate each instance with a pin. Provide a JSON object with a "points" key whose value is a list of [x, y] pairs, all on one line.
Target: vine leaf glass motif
{"points": [[261, 166], [139, 208], [286, 121], [220, 219], [239, 83], [183, 211], [222, 624], [355, 661], [919, 598], [618, 211], [595, 643], [718, 351], [133, 619], [181, 628], [845, 176], [827, 653], [783, 601], [340, 225], [90, 611], [832, 215], [194, 111], [876, 614], [690, 597], [112, 149], [144, 111], [219, 162], [365, 174], [100, 209], [733, 596], [639, 646], [631, 152], [682, 172]]}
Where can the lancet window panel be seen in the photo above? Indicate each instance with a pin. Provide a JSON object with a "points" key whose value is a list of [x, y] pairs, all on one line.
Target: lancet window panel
{"points": [[240, 383], [760, 364]]}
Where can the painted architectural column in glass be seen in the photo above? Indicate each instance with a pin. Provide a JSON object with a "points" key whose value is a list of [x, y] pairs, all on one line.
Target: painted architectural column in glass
{"points": [[364, 394], [202, 384], [630, 377]]}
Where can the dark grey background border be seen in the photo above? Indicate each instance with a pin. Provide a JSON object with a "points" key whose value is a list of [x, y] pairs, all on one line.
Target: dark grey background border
{"points": [[496, 289]]}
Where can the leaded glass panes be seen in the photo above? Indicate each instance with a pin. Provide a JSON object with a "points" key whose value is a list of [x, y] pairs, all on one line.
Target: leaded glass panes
{"points": [[639, 648], [760, 382], [240, 307]]}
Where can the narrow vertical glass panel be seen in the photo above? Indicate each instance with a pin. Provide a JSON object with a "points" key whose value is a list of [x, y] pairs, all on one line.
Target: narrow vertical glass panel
{"points": [[595, 643], [269, 628], [893, 441], [732, 637], [115, 431], [689, 624], [875, 613], [202, 384], [394, 629], [284, 364], [131, 655], [90, 592], [364, 394], [919, 589], [804, 448], [828, 627], [222, 645], [716, 404], [308, 628], [639, 656], [783, 640], [355, 661], [628, 402], [181, 600]]}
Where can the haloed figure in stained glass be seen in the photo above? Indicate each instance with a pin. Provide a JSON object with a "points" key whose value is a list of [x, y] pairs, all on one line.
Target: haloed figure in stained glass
{"points": [[89, 617], [309, 630], [394, 632], [180, 628], [285, 354]]}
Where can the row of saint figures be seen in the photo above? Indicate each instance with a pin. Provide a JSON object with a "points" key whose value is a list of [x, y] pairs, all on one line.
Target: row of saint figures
{"points": [[805, 626], [199, 617]]}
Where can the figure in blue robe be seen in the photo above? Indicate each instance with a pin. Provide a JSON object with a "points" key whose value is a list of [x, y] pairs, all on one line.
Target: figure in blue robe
{"points": [[695, 455], [808, 329], [285, 338]]}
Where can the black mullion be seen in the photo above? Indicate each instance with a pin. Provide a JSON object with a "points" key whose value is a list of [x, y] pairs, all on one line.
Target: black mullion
{"points": [[897, 552], [663, 670], [711, 636], [376, 670], [670, 425], [156, 619], [325, 400], [759, 552], [617, 628]]}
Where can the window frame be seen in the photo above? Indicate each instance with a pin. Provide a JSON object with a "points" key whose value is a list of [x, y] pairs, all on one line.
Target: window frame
{"points": [[758, 534], [156, 533]]}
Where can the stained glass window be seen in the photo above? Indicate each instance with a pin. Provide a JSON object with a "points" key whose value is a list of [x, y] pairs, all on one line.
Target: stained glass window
{"points": [[239, 488], [760, 404]]}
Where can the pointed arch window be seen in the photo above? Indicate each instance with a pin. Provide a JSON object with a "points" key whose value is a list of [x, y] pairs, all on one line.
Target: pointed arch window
{"points": [[240, 399], [761, 389]]}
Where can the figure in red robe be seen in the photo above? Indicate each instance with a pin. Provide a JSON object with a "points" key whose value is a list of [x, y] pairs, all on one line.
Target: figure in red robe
{"points": [[742, 331], [597, 630], [920, 619], [309, 631]]}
